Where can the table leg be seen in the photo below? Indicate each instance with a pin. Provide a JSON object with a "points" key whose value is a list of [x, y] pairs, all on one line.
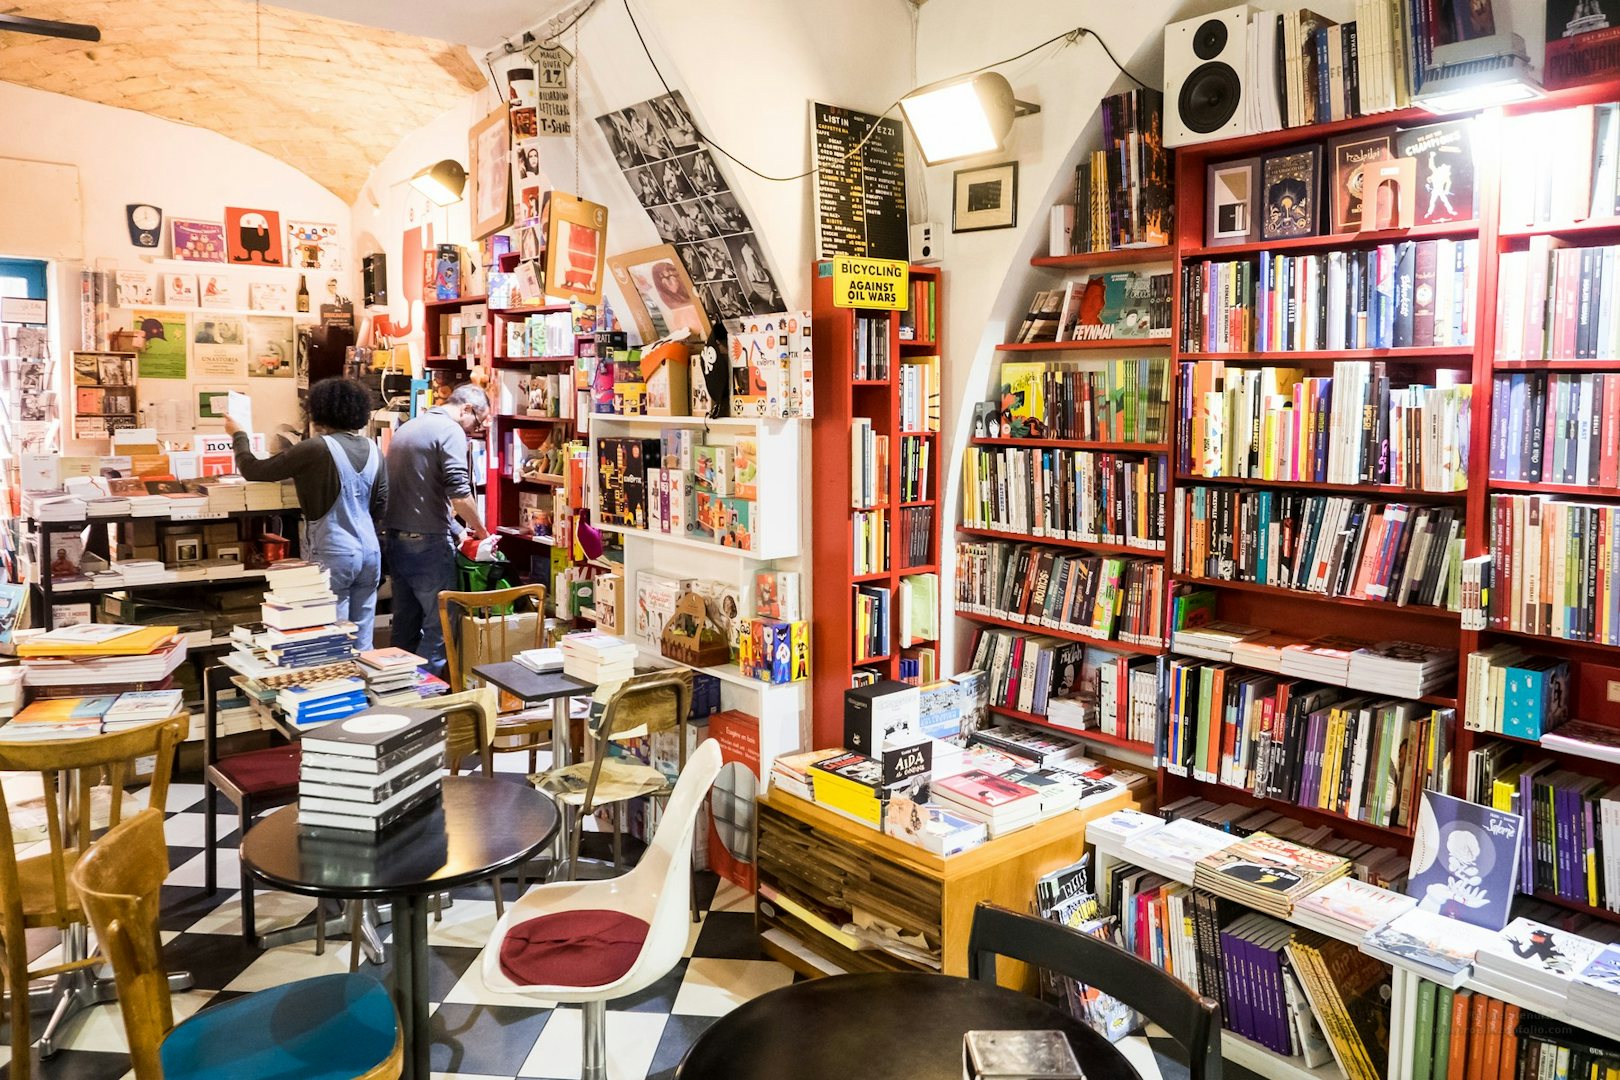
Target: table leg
{"points": [[411, 984], [562, 713]]}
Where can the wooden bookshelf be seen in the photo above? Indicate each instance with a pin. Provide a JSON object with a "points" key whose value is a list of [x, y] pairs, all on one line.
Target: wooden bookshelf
{"points": [[1089, 260], [841, 399]]}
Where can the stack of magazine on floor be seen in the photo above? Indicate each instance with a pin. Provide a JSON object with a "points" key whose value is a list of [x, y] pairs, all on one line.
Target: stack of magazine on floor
{"points": [[368, 771]]}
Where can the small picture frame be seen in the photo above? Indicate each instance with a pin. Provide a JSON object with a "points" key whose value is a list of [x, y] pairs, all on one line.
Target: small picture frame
{"points": [[1231, 202], [188, 550], [659, 293], [982, 412], [985, 198], [1291, 192], [227, 553]]}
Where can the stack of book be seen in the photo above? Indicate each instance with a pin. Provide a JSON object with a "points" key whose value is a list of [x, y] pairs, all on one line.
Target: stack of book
{"points": [[541, 661], [1406, 668], [1349, 907], [1039, 747], [1268, 874], [1441, 948], [297, 595], [598, 658], [263, 495], [936, 828], [11, 691], [367, 772], [791, 772], [1122, 192], [324, 701], [1377, 865], [1594, 995], [1176, 849], [57, 718], [226, 494], [850, 784], [100, 654], [139, 707], [1002, 805], [388, 671], [1535, 963]]}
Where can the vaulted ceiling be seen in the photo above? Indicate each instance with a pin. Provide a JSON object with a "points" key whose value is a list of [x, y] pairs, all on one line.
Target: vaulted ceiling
{"points": [[328, 97]]}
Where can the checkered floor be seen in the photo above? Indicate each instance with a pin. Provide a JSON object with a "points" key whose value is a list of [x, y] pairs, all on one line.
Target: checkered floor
{"points": [[476, 1033]]}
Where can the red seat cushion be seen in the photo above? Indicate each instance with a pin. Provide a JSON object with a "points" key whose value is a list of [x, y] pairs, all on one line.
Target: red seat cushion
{"points": [[572, 948], [259, 771]]}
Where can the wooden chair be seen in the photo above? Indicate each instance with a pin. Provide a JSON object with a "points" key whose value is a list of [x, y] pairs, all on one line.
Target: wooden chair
{"points": [[643, 705], [34, 891], [489, 627], [334, 1025], [1189, 1019], [254, 781]]}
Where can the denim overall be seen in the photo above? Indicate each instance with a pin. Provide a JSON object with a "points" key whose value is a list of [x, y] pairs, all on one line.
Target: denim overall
{"points": [[345, 542]]}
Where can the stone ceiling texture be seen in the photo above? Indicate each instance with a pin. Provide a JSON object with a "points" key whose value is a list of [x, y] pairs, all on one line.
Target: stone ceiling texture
{"points": [[327, 97]]}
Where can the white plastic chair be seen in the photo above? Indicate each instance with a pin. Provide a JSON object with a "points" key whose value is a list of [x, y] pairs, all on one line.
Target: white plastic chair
{"points": [[657, 891]]}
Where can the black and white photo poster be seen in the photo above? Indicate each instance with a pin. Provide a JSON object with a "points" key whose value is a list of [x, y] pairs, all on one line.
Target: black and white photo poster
{"points": [[680, 186], [860, 194]]}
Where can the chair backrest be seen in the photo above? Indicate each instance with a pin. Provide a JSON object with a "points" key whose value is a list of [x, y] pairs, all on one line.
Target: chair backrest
{"points": [[487, 627], [120, 883], [1189, 1019], [72, 767], [659, 700], [216, 680], [465, 733], [665, 867]]}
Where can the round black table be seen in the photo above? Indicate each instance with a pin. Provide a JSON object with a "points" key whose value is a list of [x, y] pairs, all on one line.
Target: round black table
{"points": [[479, 828], [891, 1026]]}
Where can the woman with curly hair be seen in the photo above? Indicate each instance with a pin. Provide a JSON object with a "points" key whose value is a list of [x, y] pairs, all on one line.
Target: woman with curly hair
{"points": [[342, 484]]}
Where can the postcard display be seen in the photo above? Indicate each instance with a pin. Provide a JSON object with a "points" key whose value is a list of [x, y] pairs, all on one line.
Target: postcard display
{"points": [[30, 418], [692, 206], [860, 196]]}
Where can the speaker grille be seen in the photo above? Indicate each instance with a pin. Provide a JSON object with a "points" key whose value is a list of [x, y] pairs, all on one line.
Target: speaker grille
{"points": [[1209, 98]]}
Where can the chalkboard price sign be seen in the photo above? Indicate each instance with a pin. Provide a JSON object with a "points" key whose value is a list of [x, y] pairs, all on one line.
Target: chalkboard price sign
{"points": [[860, 195]]}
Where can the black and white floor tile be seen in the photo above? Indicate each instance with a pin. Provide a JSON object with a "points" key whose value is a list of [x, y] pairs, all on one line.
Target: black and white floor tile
{"points": [[478, 1033]]}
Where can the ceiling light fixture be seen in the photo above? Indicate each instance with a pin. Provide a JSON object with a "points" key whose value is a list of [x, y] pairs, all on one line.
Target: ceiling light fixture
{"points": [[1480, 72], [443, 182], [963, 117]]}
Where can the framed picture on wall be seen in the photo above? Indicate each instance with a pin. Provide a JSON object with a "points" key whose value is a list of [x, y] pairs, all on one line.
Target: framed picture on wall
{"points": [[1230, 202], [576, 247], [659, 293], [985, 198], [489, 177]]}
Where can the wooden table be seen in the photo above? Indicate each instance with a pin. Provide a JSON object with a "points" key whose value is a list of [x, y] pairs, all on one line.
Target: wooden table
{"points": [[479, 828], [531, 687], [892, 1026]]}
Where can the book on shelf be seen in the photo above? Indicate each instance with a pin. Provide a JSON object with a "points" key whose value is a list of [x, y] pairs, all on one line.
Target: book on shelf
{"points": [[919, 609], [1410, 294], [1107, 597], [1330, 545], [1563, 169], [869, 465], [1120, 401], [1349, 905], [914, 542], [1358, 756], [919, 393], [1266, 873], [1557, 303], [1353, 427], [1122, 192], [1441, 948], [1593, 997], [1117, 695], [1025, 671], [1533, 955], [872, 358], [916, 458], [1557, 429], [1552, 565], [1349, 993], [872, 622], [1516, 693], [869, 541], [1083, 495], [919, 320], [1465, 859], [1597, 741]]}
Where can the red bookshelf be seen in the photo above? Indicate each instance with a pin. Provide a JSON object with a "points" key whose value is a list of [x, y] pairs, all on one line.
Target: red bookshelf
{"points": [[840, 401], [1089, 260], [1112, 344], [1101, 738]]}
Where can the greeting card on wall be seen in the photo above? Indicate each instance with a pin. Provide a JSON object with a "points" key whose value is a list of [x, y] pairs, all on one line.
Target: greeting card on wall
{"points": [[198, 241], [163, 355], [691, 205], [136, 287], [489, 175], [269, 296], [180, 290], [313, 245], [576, 241], [216, 291], [253, 237], [270, 347]]}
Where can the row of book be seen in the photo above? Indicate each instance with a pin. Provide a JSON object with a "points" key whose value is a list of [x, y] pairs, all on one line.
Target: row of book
{"points": [[1307, 69], [919, 391], [85, 498], [1102, 597], [1360, 756], [1558, 429], [1564, 168], [1122, 192], [914, 539], [1118, 695], [919, 319], [916, 454], [1025, 672], [868, 465], [1558, 303], [1121, 401], [1412, 294], [1105, 306], [872, 351], [1353, 427], [1553, 568], [869, 541], [1514, 692], [1082, 495], [1408, 668], [1330, 545], [1570, 846], [872, 622]]}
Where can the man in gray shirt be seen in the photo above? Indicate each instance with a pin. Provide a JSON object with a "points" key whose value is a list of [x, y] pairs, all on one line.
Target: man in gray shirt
{"points": [[427, 466]]}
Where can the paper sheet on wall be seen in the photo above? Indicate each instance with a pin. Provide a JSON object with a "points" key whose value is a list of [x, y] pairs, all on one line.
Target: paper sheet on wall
{"points": [[168, 415]]}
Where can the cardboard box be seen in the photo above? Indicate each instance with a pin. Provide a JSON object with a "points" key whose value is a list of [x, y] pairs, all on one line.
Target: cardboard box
{"points": [[772, 369], [182, 547], [220, 532], [138, 533], [712, 464], [666, 371]]}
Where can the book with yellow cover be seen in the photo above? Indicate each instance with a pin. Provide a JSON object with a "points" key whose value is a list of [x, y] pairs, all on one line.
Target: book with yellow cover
{"points": [[96, 639], [67, 710]]}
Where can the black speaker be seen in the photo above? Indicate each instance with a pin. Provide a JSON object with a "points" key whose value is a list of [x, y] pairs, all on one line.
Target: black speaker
{"points": [[374, 270], [1205, 61]]}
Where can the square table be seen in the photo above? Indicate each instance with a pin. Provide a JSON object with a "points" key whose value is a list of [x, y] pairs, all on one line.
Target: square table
{"points": [[532, 687]]}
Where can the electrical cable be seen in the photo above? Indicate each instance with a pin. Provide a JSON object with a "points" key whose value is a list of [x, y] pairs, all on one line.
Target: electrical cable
{"points": [[1069, 36]]}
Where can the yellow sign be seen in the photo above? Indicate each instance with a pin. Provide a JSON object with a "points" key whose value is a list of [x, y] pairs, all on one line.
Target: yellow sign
{"points": [[870, 283]]}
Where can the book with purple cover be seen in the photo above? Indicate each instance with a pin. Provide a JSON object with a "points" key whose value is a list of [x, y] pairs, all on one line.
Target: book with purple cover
{"points": [[1465, 860]]}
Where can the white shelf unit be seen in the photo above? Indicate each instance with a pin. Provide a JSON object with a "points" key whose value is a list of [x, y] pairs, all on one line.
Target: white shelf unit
{"points": [[777, 536]]}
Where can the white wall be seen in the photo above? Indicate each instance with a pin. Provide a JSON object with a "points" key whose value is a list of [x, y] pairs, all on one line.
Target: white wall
{"points": [[125, 157]]}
